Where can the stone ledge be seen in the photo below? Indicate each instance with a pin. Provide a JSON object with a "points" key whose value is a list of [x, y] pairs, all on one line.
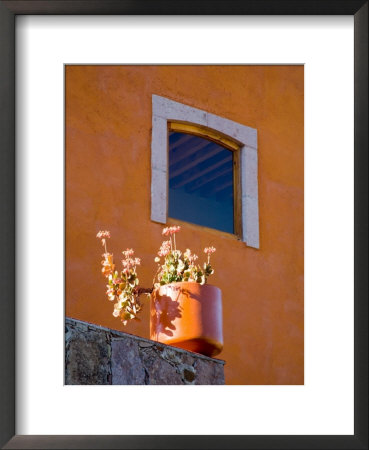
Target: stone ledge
{"points": [[99, 355]]}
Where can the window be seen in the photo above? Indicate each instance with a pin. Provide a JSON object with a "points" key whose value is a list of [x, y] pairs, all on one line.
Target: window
{"points": [[201, 182], [204, 170]]}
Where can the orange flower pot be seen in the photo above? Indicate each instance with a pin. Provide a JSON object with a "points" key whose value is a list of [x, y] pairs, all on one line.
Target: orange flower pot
{"points": [[188, 315]]}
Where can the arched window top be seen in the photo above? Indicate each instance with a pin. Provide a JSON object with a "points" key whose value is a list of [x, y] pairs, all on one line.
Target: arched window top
{"points": [[170, 116], [204, 132]]}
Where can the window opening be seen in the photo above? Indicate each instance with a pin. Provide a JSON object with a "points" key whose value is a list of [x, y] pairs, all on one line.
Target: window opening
{"points": [[201, 182]]}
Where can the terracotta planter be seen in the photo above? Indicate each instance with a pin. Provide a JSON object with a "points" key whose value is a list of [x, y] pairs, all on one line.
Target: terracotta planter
{"points": [[188, 315]]}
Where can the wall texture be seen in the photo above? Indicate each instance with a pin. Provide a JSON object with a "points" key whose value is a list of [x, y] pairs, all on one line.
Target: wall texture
{"points": [[96, 355], [108, 139]]}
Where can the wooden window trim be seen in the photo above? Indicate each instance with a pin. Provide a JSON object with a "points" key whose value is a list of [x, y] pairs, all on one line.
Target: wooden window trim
{"points": [[204, 132]]}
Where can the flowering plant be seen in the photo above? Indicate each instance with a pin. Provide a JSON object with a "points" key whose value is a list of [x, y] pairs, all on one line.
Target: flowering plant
{"points": [[173, 266], [121, 287], [177, 266]]}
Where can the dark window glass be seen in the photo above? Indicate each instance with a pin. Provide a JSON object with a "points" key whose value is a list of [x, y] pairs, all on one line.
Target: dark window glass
{"points": [[200, 182]]}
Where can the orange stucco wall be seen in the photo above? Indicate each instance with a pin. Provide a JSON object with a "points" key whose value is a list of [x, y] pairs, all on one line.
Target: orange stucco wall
{"points": [[108, 139]]}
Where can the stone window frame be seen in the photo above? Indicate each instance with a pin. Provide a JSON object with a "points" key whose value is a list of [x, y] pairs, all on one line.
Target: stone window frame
{"points": [[164, 111]]}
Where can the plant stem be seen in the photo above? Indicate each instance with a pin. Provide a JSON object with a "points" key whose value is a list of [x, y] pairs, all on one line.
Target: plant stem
{"points": [[144, 291], [153, 281]]}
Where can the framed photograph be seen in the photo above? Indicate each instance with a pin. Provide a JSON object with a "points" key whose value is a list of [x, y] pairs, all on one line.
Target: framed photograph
{"points": [[113, 115], [198, 203]]}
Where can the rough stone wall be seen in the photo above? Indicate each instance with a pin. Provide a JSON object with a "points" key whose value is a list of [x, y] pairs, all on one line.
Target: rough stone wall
{"points": [[97, 355]]}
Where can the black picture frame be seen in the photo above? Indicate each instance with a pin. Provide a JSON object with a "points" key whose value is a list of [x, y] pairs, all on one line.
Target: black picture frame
{"points": [[8, 11]]}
